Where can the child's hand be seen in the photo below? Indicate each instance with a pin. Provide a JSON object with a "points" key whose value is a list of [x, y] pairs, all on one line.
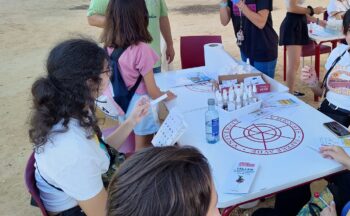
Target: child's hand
{"points": [[140, 110], [329, 211], [336, 153], [171, 96], [308, 76]]}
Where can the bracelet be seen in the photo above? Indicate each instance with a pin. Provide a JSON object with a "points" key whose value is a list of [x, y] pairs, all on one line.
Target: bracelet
{"points": [[223, 4], [312, 12]]}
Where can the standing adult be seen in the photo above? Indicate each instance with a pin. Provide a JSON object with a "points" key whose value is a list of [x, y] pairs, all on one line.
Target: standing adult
{"points": [[158, 23], [256, 38], [294, 34]]}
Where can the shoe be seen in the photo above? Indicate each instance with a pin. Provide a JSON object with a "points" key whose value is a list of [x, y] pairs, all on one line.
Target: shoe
{"points": [[298, 94]]}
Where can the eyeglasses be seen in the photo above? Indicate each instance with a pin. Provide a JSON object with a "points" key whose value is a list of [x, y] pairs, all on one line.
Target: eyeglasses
{"points": [[108, 71]]}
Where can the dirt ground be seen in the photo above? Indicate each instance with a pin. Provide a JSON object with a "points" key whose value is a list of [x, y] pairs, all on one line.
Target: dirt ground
{"points": [[28, 29]]}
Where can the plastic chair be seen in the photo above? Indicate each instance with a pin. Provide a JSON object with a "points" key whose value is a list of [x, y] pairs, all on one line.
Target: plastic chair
{"points": [[192, 49], [29, 178]]}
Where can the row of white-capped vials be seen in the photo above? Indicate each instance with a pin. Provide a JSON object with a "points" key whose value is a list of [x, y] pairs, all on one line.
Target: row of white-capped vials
{"points": [[236, 98]]}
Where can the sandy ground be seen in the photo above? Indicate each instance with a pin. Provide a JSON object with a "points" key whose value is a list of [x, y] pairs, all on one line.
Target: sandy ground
{"points": [[28, 29]]}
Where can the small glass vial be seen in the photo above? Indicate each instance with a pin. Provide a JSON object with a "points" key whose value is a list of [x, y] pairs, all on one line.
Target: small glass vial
{"points": [[218, 98], [238, 102], [245, 101]]}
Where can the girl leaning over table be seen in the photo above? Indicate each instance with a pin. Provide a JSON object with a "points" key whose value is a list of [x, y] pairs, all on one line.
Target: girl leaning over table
{"points": [[72, 159], [256, 38], [294, 34]]}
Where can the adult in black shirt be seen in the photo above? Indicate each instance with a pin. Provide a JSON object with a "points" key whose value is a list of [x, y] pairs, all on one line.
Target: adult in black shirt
{"points": [[253, 18]]}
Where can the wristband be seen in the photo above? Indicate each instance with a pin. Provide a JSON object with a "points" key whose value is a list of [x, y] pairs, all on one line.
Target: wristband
{"points": [[223, 4], [312, 12]]}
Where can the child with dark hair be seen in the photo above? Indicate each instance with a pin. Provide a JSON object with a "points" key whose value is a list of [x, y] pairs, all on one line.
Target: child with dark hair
{"points": [[126, 28], [70, 154], [159, 24], [163, 181]]}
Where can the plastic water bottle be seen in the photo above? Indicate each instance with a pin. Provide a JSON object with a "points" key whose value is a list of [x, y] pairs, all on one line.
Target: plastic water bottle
{"points": [[212, 122]]}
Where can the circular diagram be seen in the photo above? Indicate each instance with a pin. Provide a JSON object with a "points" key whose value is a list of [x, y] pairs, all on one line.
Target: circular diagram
{"points": [[268, 136], [201, 87]]}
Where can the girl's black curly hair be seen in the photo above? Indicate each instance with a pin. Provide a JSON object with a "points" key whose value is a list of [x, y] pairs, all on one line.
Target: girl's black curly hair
{"points": [[73, 69]]}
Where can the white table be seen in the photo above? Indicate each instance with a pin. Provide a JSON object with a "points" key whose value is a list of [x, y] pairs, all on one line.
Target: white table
{"points": [[278, 171]]}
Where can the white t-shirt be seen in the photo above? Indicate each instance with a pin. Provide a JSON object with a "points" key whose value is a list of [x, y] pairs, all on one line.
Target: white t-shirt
{"points": [[73, 163], [338, 81], [338, 6]]}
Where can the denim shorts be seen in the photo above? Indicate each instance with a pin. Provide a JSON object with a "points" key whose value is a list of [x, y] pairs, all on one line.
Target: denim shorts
{"points": [[150, 123]]}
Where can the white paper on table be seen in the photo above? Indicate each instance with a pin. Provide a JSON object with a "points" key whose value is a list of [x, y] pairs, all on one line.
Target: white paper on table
{"points": [[168, 80], [241, 177], [279, 100], [320, 31], [171, 130], [254, 80], [198, 78], [329, 141]]}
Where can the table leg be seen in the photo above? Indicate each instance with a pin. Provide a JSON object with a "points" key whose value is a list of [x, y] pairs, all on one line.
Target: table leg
{"points": [[334, 44], [317, 64]]}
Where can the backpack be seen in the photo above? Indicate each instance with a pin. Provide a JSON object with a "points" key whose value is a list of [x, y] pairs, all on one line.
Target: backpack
{"points": [[122, 95]]}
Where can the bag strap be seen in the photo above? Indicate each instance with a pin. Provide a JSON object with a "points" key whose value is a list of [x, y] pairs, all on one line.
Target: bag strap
{"points": [[312, 207], [115, 55], [330, 70], [138, 81], [37, 168]]}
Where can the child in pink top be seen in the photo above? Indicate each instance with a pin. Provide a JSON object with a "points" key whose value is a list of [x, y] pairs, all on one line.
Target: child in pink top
{"points": [[126, 26]]}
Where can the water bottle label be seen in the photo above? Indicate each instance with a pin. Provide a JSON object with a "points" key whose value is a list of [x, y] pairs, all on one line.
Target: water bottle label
{"points": [[215, 127]]}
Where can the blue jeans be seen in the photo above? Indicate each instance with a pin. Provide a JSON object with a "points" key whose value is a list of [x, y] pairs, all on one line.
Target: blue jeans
{"points": [[157, 70], [267, 68]]}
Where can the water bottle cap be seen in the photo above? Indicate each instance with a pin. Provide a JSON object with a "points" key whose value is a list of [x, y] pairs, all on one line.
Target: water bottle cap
{"points": [[211, 101]]}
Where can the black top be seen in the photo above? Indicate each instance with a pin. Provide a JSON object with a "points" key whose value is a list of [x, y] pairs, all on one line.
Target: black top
{"points": [[259, 44]]}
